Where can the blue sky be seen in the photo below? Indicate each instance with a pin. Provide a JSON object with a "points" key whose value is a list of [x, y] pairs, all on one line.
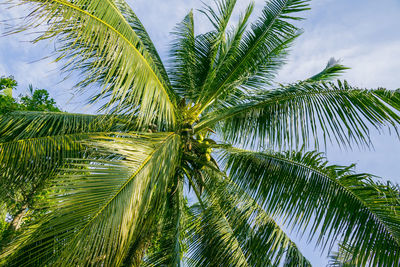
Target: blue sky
{"points": [[364, 34]]}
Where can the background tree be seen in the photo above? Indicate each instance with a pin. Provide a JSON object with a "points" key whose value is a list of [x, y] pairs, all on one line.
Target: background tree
{"points": [[119, 179], [20, 204], [39, 100], [7, 102]]}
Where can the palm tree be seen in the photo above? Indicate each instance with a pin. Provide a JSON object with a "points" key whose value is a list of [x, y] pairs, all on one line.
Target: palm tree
{"points": [[192, 164]]}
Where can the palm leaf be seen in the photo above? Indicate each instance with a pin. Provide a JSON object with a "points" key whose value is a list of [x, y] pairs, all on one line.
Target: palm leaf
{"points": [[331, 200], [30, 124], [261, 240], [332, 70], [34, 145], [119, 188], [97, 40], [260, 52], [183, 55], [296, 114], [167, 249], [139, 29]]}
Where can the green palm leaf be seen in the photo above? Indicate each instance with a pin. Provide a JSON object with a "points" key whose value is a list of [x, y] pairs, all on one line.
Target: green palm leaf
{"points": [[332, 70], [34, 145], [298, 113], [331, 200], [260, 239], [97, 40], [261, 50], [167, 249], [119, 188]]}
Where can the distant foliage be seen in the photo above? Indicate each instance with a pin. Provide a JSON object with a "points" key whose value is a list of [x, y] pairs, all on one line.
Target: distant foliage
{"points": [[36, 100]]}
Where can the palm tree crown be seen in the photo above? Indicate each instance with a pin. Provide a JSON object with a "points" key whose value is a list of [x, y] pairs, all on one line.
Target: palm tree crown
{"points": [[117, 183]]}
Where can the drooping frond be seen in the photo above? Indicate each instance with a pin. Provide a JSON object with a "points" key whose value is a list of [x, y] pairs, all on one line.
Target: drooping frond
{"points": [[344, 257], [212, 240], [166, 248], [28, 125], [329, 200], [297, 114], [119, 188], [261, 51], [33, 145], [139, 29], [95, 39], [332, 70], [259, 239]]}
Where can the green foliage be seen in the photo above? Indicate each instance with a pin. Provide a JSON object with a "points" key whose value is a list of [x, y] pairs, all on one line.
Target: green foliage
{"points": [[7, 84], [39, 101], [112, 188], [7, 102]]}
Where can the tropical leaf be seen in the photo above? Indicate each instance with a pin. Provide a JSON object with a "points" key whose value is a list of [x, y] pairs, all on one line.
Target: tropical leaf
{"points": [[300, 114], [139, 29], [34, 145], [330, 200], [261, 51], [332, 70], [183, 58], [30, 124], [96, 40], [167, 249], [119, 188], [260, 240]]}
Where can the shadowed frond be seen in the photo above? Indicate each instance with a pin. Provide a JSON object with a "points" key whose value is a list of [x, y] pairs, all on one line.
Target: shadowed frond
{"points": [[297, 115], [260, 239], [329, 200], [96, 40], [167, 249], [120, 187]]}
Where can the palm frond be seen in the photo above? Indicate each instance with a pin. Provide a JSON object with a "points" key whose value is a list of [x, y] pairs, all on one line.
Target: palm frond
{"points": [[332, 70], [119, 187], [167, 249], [96, 40], [183, 56], [261, 240], [212, 240], [297, 115], [30, 124], [34, 145], [219, 18], [139, 29], [344, 257], [260, 53], [330, 200]]}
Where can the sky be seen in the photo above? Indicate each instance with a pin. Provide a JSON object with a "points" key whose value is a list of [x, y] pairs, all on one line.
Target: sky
{"points": [[363, 34]]}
